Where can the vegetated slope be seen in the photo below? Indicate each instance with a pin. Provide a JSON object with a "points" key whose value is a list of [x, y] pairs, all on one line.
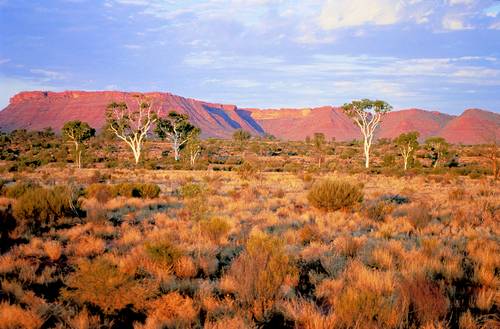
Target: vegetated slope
{"points": [[37, 110], [474, 126]]}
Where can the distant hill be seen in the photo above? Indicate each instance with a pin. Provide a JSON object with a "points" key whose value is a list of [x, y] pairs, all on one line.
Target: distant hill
{"points": [[36, 110]]}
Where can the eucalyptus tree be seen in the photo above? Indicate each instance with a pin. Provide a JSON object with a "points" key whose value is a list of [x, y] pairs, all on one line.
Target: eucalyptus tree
{"points": [[177, 129], [367, 114], [132, 125], [438, 148], [407, 144], [78, 133]]}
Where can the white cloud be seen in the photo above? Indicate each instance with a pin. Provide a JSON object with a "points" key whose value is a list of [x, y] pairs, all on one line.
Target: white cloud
{"points": [[4, 60], [461, 2], [455, 23], [495, 26], [348, 13], [48, 75]]}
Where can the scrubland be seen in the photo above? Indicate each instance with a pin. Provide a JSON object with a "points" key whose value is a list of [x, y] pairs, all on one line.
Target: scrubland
{"points": [[266, 235], [227, 250]]}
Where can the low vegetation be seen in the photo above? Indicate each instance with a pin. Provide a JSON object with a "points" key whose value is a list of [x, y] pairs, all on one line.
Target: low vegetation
{"points": [[256, 233]]}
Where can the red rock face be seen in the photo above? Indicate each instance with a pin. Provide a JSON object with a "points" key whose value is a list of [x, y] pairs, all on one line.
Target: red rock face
{"points": [[474, 126], [425, 122], [37, 110]]}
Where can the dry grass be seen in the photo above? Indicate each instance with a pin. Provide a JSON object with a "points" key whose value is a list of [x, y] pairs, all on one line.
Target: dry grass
{"points": [[223, 250]]}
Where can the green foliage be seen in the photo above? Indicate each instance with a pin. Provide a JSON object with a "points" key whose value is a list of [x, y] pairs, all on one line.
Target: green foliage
{"points": [[241, 135], [163, 252], [39, 208], [103, 192], [334, 194], [437, 147], [191, 190], [16, 190], [354, 108], [215, 228], [77, 131]]}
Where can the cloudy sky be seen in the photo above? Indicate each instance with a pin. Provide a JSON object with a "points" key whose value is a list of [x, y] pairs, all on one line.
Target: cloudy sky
{"points": [[433, 54]]}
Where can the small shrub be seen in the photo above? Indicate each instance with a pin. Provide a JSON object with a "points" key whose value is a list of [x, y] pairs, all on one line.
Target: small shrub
{"points": [[103, 284], [332, 194], [259, 273], [15, 191], [191, 190], [149, 190], [101, 192], [419, 215], [247, 171], [163, 252], [40, 208], [378, 211], [215, 228]]}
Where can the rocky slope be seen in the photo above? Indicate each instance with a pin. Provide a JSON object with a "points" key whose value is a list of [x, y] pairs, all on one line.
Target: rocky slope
{"points": [[37, 110]]}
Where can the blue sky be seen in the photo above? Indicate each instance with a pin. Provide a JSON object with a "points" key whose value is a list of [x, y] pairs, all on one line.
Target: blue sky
{"points": [[433, 54]]}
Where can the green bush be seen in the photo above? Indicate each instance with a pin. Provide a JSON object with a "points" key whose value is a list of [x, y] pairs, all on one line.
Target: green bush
{"points": [[333, 194], [16, 190], [39, 208], [215, 228], [191, 190], [163, 252], [103, 192]]}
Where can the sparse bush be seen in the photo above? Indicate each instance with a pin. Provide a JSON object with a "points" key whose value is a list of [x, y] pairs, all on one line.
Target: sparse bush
{"points": [[332, 194], [259, 273], [101, 283], [247, 170], [16, 190], [419, 215], [191, 190], [101, 192], [171, 311], [149, 191], [215, 228], [40, 208], [164, 253]]}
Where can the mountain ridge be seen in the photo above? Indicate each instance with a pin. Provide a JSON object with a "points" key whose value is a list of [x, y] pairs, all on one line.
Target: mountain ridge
{"points": [[36, 110]]}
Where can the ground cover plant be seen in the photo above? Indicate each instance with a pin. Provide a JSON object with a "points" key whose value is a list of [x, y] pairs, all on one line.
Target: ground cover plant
{"points": [[244, 241]]}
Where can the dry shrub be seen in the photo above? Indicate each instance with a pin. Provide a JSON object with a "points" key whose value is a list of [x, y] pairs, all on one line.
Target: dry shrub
{"points": [[334, 194], [378, 211], [39, 208], [191, 190], [485, 298], [103, 284], [87, 246], [248, 171], [163, 253], [467, 321], [104, 192], [259, 273], [100, 192], [171, 311], [215, 228], [53, 249], [369, 299], [185, 267], [427, 299], [84, 320], [307, 315], [236, 322], [419, 215], [13, 316], [348, 246]]}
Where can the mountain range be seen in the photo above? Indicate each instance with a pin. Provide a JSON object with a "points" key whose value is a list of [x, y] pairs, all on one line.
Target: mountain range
{"points": [[36, 110]]}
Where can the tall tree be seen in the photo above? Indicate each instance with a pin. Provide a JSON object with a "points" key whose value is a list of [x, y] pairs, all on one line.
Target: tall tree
{"points": [[132, 125], [77, 132], [367, 114], [438, 148], [193, 146], [177, 129], [407, 145], [319, 141]]}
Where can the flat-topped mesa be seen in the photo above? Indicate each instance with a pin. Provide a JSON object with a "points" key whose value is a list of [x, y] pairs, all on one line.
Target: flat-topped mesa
{"points": [[36, 110]]}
